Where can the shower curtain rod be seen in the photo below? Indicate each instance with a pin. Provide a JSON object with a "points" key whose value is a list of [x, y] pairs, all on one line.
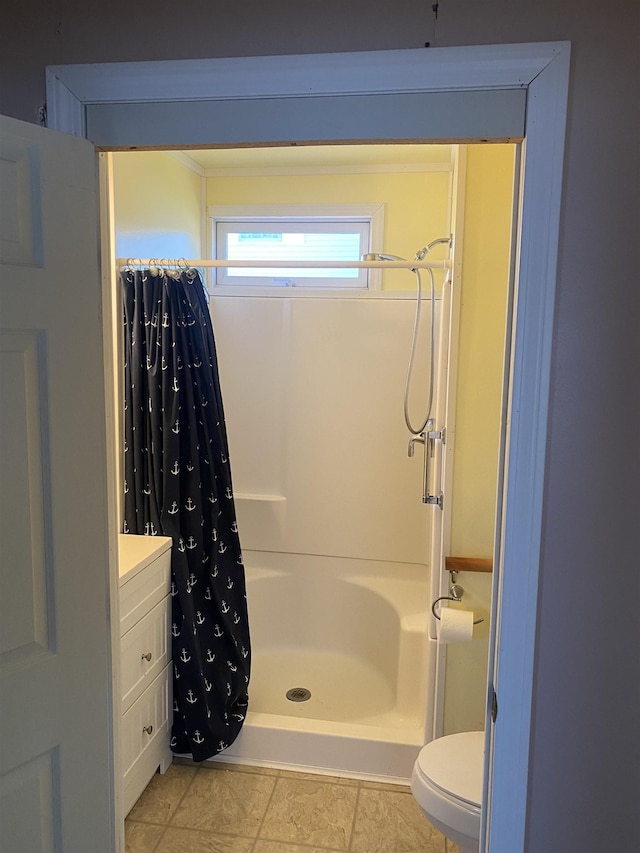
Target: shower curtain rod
{"points": [[182, 262]]}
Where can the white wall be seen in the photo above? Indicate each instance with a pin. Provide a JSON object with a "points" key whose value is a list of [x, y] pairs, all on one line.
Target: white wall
{"points": [[313, 391], [584, 764]]}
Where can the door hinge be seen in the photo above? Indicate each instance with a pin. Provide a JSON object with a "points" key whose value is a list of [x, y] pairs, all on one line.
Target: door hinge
{"points": [[494, 707]]}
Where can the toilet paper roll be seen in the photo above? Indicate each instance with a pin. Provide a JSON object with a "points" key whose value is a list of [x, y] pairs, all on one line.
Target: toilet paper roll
{"points": [[455, 626]]}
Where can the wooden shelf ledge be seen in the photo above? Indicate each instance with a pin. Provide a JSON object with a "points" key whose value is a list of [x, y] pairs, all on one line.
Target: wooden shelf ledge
{"points": [[468, 564]]}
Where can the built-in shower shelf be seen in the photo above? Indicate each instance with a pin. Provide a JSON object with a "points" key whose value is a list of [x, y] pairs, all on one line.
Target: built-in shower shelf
{"points": [[468, 564], [261, 521]]}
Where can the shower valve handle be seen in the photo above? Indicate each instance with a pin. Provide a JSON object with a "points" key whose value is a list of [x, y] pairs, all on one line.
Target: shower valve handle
{"points": [[420, 438]]}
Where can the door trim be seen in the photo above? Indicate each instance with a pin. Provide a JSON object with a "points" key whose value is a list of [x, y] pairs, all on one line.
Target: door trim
{"points": [[484, 67], [543, 71], [113, 355]]}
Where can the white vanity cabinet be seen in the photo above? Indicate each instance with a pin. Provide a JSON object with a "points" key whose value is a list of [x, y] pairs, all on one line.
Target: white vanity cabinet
{"points": [[145, 660]]}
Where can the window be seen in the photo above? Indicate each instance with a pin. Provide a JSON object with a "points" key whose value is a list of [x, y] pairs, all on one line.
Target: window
{"points": [[295, 233]]}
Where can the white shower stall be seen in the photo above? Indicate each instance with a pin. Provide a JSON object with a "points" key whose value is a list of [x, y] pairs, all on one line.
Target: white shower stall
{"points": [[334, 532]]}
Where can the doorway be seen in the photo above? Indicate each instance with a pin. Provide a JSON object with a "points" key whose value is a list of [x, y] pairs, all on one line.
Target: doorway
{"points": [[541, 73], [419, 188]]}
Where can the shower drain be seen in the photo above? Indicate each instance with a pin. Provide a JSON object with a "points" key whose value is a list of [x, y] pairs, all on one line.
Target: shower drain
{"points": [[298, 694]]}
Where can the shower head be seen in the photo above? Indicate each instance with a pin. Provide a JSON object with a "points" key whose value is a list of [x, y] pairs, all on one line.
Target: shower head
{"points": [[380, 256], [420, 255]]}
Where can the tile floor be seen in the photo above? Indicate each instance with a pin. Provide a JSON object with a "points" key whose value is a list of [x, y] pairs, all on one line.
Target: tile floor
{"points": [[228, 808]]}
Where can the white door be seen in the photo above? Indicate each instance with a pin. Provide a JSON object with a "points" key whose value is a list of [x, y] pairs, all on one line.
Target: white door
{"points": [[56, 751]]}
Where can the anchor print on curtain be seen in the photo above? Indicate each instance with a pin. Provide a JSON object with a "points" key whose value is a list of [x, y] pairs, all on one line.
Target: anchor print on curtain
{"points": [[178, 484]]}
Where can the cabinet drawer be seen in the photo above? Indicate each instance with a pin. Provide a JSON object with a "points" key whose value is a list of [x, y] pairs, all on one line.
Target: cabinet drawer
{"points": [[145, 726], [144, 590], [144, 652]]}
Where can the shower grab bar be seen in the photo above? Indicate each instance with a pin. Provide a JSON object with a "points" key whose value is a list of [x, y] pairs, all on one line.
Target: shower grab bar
{"points": [[428, 438]]}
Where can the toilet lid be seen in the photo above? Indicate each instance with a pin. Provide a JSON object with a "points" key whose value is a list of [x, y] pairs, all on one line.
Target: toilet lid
{"points": [[455, 764]]}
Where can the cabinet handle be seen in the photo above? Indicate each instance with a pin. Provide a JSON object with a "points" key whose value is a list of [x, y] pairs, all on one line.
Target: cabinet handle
{"points": [[147, 656], [148, 729]]}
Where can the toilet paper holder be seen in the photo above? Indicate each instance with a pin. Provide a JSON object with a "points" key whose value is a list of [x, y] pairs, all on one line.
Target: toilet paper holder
{"points": [[456, 592], [449, 598]]}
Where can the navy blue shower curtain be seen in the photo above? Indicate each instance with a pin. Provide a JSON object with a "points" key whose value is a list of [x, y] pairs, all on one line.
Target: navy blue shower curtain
{"points": [[178, 484]]}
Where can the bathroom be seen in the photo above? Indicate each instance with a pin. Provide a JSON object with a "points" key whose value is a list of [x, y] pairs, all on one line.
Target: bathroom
{"points": [[579, 376], [162, 202]]}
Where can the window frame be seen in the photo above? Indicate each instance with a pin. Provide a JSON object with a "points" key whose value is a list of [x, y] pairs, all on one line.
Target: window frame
{"points": [[372, 213]]}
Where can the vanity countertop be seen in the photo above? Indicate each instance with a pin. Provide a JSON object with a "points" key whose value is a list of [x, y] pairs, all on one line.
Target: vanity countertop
{"points": [[136, 552]]}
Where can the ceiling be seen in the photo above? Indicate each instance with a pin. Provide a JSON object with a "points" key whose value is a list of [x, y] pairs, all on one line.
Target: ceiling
{"points": [[319, 155]]}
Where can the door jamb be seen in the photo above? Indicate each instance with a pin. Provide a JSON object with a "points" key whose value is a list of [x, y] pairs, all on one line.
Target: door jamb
{"points": [[543, 70], [111, 352]]}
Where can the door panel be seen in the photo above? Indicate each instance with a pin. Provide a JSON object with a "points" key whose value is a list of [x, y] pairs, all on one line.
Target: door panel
{"points": [[56, 764]]}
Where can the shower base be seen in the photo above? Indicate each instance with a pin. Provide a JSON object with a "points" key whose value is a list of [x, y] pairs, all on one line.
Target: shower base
{"points": [[343, 688], [349, 726], [354, 634]]}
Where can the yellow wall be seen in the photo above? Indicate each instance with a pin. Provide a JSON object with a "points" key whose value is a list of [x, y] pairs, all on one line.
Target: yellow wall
{"points": [[158, 206], [487, 230], [416, 203]]}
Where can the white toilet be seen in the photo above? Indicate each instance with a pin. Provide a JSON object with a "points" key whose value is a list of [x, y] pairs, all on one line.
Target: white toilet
{"points": [[447, 785]]}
